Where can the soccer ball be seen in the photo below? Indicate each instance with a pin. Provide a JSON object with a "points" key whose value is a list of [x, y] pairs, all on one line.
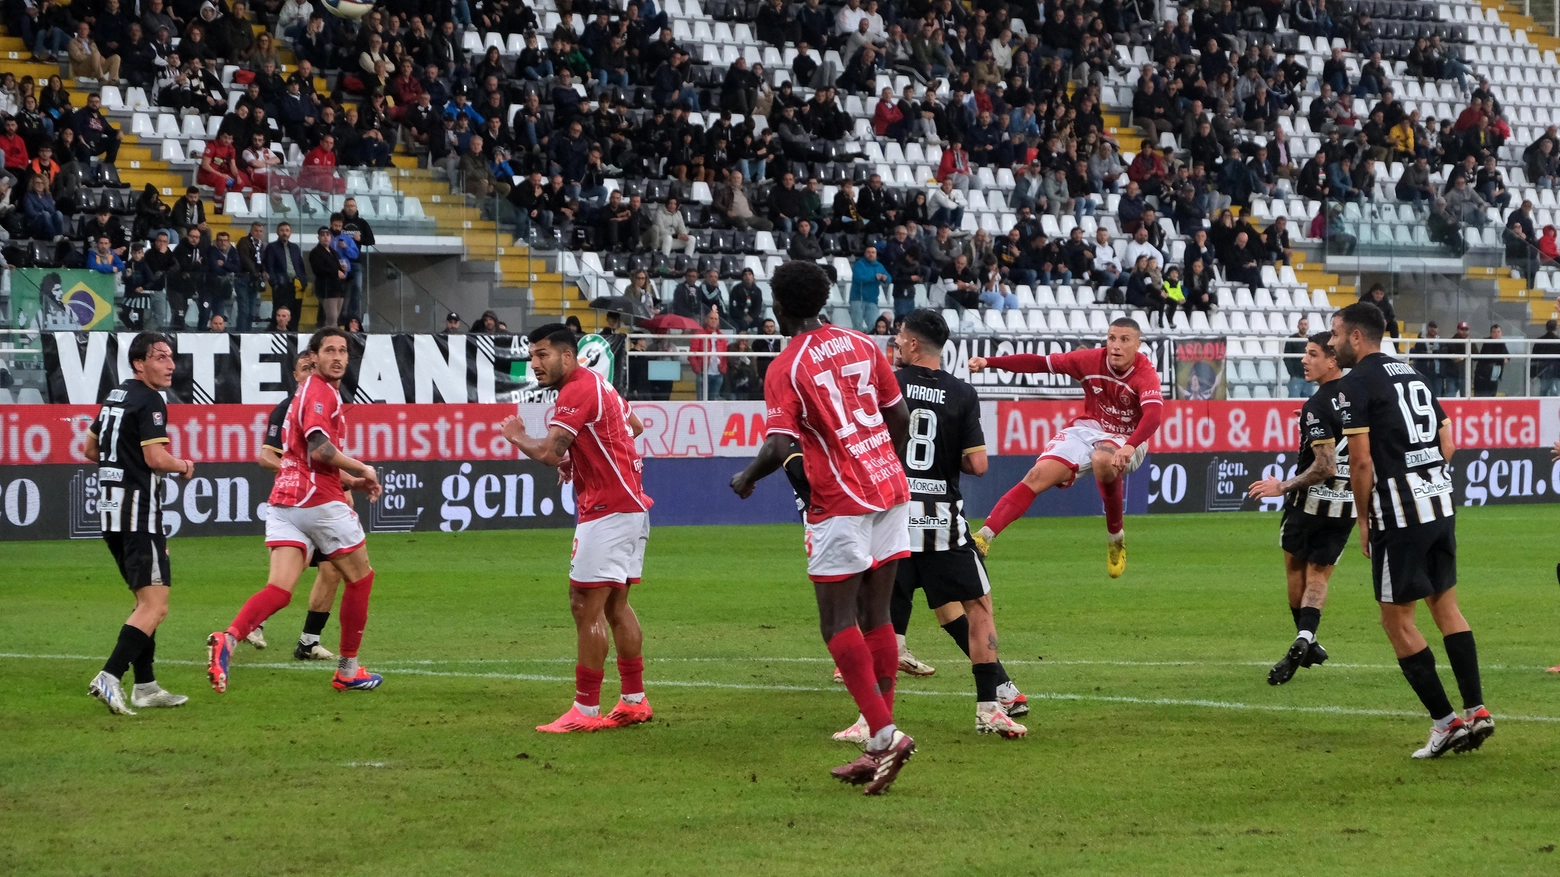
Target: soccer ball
{"points": [[353, 9]]}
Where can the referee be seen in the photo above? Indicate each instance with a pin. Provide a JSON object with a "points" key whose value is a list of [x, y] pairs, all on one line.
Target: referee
{"points": [[129, 440], [1400, 452]]}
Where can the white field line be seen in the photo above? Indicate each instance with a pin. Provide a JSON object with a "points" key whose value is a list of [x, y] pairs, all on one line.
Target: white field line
{"points": [[665, 683]]}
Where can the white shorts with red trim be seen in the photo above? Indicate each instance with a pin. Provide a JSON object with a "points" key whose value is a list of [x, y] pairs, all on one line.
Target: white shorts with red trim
{"points": [[609, 552], [1075, 446], [838, 548], [332, 529]]}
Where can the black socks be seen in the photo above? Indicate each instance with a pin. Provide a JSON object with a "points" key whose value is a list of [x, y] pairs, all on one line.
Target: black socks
{"points": [[987, 678], [144, 674], [1295, 611], [959, 629], [1464, 658], [1419, 670], [314, 622], [132, 642], [1307, 618]]}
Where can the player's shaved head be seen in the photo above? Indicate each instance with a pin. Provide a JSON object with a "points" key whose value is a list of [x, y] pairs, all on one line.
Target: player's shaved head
{"points": [[552, 353], [1122, 342], [1127, 323], [799, 290], [1356, 332]]}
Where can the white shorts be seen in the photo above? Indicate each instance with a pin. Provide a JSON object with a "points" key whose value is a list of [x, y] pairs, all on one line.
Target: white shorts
{"points": [[1075, 445], [609, 552], [838, 548], [332, 529]]}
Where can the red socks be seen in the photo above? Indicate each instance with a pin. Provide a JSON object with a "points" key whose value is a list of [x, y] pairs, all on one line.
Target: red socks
{"points": [[632, 672], [354, 614], [885, 661], [1010, 508], [1110, 492], [266, 602], [587, 685], [854, 659]]}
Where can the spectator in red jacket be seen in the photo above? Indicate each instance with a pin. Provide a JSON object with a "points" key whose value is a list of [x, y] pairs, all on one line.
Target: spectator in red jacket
{"points": [[710, 370], [319, 168], [14, 149], [219, 168], [955, 166]]}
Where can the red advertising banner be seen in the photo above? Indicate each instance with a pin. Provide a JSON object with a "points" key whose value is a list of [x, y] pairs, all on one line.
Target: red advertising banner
{"points": [[43, 434], [1024, 427]]}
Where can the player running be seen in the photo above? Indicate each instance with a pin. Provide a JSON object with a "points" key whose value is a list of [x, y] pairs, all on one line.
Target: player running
{"points": [[590, 437], [129, 439], [309, 513], [1400, 451], [1122, 408], [946, 440], [1318, 507], [832, 390], [323, 595]]}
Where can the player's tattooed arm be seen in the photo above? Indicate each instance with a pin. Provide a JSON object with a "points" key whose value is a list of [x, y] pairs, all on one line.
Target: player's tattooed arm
{"points": [[1322, 468], [549, 449], [771, 456], [323, 450]]}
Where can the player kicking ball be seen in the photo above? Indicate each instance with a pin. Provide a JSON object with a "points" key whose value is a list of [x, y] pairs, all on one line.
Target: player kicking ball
{"points": [[129, 439], [1400, 452], [309, 513], [1318, 507], [590, 438], [322, 596], [1122, 408], [833, 391], [946, 441]]}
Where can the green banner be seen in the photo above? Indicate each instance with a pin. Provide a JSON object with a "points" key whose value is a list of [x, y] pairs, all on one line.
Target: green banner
{"points": [[63, 299]]}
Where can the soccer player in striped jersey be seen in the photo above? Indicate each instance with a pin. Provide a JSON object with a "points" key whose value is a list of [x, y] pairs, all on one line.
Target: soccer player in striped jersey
{"points": [[129, 439], [1318, 507], [322, 596], [590, 437], [834, 392], [945, 441], [1122, 408], [309, 513], [1400, 454]]}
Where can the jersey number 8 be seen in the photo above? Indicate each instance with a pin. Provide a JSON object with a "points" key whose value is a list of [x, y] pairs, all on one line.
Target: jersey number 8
{"points": [[922, 450], [1418, 410]]}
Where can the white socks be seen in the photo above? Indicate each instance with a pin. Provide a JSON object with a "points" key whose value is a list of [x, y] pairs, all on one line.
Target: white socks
{"points": [[1118, 537], [309, 639], [901, 638], [985, 533], [987, 707], [1443, 723], [634, 698], [883, 739], [145, 688], [592, 711], [346, 667], [1007, 691], [1306, 635]]}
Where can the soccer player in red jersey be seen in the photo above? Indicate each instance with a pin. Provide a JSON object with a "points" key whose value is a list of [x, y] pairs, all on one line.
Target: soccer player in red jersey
{"points": [[590, 437], [1122, 408], [833, 391], [309, 513]]}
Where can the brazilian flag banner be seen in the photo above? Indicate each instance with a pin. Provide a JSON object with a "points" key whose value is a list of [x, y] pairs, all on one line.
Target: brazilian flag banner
{"points": [[62, 299]]}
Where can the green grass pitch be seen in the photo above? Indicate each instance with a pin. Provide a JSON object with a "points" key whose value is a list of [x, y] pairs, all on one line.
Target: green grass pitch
{"points": [[1156, 746]]}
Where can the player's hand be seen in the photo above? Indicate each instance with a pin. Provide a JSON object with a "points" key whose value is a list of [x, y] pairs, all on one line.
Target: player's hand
{"points": [[513, 429], [741, 485], [370, 483], [1266, 488], [978, 364], [1364, 539], [189, 470], [565, 470], [1123, 457], [1554, 452]]}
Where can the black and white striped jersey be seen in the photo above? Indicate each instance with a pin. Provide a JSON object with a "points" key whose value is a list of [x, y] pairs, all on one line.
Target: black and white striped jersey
{"points": [[129, 492], [1321, 423], [944, 426], [1390, 401]]}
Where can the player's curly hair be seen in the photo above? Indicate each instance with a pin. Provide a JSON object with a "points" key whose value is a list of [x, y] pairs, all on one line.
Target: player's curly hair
{"points": [[800, 288]]}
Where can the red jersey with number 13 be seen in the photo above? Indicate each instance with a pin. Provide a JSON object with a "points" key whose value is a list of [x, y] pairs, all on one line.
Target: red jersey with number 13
{"points": [[304, 481], [607, 467], [827, 390]]}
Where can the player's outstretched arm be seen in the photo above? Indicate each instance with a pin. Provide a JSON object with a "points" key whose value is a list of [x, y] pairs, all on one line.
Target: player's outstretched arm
{"points": [[323, 450], [1362, 480], [1322, 468], [549, 449], [1022, 363], [771, 456]]}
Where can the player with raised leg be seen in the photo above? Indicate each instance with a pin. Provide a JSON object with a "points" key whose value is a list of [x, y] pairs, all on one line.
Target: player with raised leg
{"points": [[1400, 452], [322, 596], [833, 391], [129, 440], [309, 513], [591, 439], [946, 440], [1318, 507], [1122, 408]]}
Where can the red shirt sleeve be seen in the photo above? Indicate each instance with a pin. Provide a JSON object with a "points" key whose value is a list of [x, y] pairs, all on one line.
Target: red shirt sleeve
{"points": [[1151, 400], [783, 406], [576, 406], [318, 411], [1022, 363]]}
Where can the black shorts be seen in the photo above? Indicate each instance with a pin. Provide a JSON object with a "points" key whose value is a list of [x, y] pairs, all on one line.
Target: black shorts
{"points": [[142, 558], [1316, 540], [318, 558], [946, 576], [1412, 563]]}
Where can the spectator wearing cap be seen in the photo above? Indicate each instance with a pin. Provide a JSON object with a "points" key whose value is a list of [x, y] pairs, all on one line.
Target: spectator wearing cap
{"points": [[330, 275], [452, 323]]}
